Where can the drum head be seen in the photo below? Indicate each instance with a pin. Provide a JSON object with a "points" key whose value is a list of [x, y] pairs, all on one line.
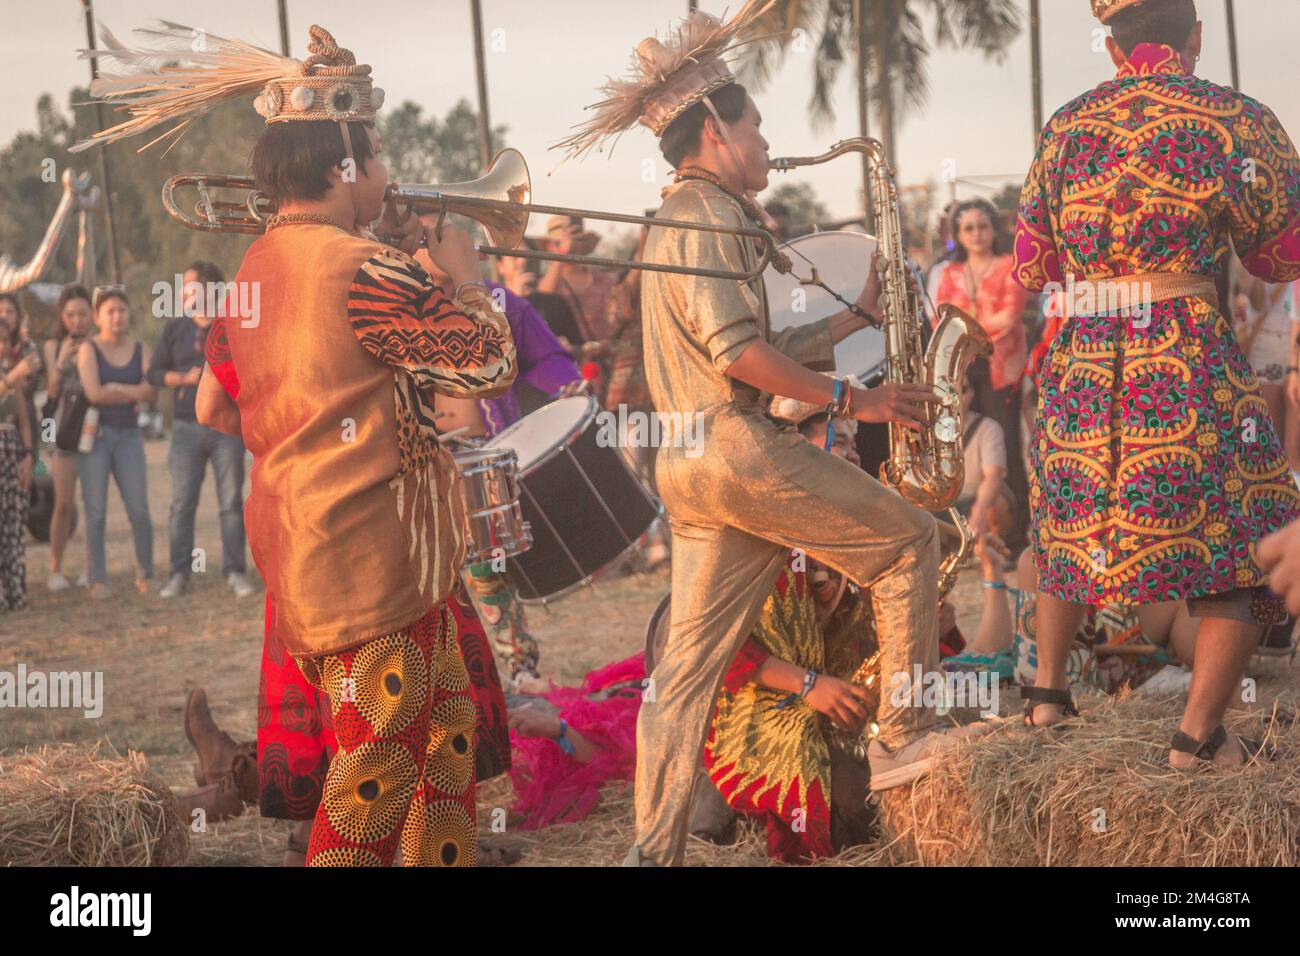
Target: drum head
{"points": [[842, 260], [552, 426]]}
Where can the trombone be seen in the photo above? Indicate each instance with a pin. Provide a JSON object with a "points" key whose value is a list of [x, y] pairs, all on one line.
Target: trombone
{"points": [[500, 201]]}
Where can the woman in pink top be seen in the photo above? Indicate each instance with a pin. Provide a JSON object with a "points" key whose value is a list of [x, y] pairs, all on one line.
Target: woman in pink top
{"points": [[977, 279]]}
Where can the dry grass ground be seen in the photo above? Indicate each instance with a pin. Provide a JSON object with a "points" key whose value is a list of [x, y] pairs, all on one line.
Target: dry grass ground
{"points": [[151, 651]]}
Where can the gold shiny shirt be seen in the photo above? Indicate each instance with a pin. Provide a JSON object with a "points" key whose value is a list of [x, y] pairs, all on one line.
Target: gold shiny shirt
{"points": [[695, 327]]}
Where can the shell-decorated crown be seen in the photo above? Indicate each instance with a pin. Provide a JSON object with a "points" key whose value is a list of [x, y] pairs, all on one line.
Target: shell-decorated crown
{"points": [[331, 86]]}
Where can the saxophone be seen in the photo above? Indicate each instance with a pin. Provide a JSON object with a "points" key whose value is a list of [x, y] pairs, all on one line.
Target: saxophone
{"points": [[927, 466]]}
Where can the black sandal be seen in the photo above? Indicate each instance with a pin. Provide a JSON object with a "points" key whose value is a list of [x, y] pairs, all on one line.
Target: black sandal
{"points": [[1033, 696], [1207, 748]]}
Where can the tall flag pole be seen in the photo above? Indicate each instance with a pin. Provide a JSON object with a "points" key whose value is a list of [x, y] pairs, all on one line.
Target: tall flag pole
{"points": [[284, 27], [104, 171], [1232, 44], [484, 121], [1036, 64], [860, 41]]}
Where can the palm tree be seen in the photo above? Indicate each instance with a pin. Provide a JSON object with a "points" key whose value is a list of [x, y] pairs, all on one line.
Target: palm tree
{"points": [[895, 51]]}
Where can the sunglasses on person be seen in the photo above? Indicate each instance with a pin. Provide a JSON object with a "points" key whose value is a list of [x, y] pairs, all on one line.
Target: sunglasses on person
{"points": [[103, 292]]}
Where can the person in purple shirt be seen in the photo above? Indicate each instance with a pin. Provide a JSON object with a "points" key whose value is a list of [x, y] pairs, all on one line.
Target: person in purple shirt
{"points": [[545, 372]]}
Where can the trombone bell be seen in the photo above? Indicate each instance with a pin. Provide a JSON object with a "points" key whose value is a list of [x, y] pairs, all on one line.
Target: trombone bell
{"points": [[486, 200]]}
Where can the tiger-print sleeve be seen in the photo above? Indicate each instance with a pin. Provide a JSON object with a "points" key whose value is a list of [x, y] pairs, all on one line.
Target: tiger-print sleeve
{"points": [[463, 349]]}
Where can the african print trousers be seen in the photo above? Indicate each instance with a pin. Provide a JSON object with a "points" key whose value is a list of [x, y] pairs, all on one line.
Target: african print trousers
{"points": [[403, 774]]}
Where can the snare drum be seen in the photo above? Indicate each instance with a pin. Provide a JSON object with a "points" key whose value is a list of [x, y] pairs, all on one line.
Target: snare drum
{"points": [[496, 526], [584, 505]]}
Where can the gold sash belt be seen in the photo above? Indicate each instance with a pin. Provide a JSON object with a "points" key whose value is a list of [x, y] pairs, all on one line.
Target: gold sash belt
{"points": [[1104, 296]]}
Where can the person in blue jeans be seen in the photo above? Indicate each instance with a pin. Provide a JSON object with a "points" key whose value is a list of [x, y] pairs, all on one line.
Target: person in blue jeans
{"points": [[177, 363], [112, 367]]}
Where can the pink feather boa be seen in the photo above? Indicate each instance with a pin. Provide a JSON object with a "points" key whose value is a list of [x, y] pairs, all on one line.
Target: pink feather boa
{"points": [[552, 787]]}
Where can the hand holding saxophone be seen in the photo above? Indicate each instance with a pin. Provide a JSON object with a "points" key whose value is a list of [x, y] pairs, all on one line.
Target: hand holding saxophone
{"points": [[902, 403]]}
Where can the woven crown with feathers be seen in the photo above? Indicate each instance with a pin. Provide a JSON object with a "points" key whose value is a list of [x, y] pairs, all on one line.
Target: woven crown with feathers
{"points": [[667, 77], [180, 73]]}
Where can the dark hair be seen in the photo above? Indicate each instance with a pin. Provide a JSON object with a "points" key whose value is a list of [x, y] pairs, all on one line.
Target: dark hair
{"points": [[981, 205], [1156, 21], [682, 137], [104, 293], [18, 307], [208, 272], [70, 291], [814, 421], [292, 160]]}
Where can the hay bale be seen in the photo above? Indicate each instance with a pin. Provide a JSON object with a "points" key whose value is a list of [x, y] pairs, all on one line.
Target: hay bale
{"points": [[1098, 794], [71, 806]]}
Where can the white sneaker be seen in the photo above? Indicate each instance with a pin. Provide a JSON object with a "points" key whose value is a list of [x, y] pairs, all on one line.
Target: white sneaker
{"points": [[176, 585], [83, 580], [58, 582], [895, 768], [240, 584]]}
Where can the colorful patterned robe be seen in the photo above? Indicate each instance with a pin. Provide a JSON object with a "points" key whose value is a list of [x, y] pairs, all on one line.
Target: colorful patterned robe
{"points": [[773, 762], [1155, 467]]}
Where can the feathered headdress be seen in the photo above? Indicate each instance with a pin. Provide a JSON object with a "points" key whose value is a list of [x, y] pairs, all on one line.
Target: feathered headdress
{"points": [[1104, 10], [184, 72], [668, 77]]}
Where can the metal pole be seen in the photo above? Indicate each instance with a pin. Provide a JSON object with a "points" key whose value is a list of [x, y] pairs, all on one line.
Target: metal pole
{"points": [[1232, 44], [104, 170], [864, 123], [885, 36], [1036, 65], [284, 27], [484, 122]]}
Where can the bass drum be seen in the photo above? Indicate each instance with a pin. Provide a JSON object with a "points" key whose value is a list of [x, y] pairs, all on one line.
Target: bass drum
{"points": [[842, 260], [583, 504]]}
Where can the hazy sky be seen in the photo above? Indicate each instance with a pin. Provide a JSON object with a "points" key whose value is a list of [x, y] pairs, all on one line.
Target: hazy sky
{"points": [[546, 59]]}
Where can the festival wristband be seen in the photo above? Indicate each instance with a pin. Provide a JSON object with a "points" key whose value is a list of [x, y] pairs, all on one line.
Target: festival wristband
{"points": [[993, 585], [563, 740], [809, 681]]}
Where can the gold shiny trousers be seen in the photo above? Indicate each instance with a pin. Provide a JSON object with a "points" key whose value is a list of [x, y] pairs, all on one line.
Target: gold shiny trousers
{"points": [[736, 510]]}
